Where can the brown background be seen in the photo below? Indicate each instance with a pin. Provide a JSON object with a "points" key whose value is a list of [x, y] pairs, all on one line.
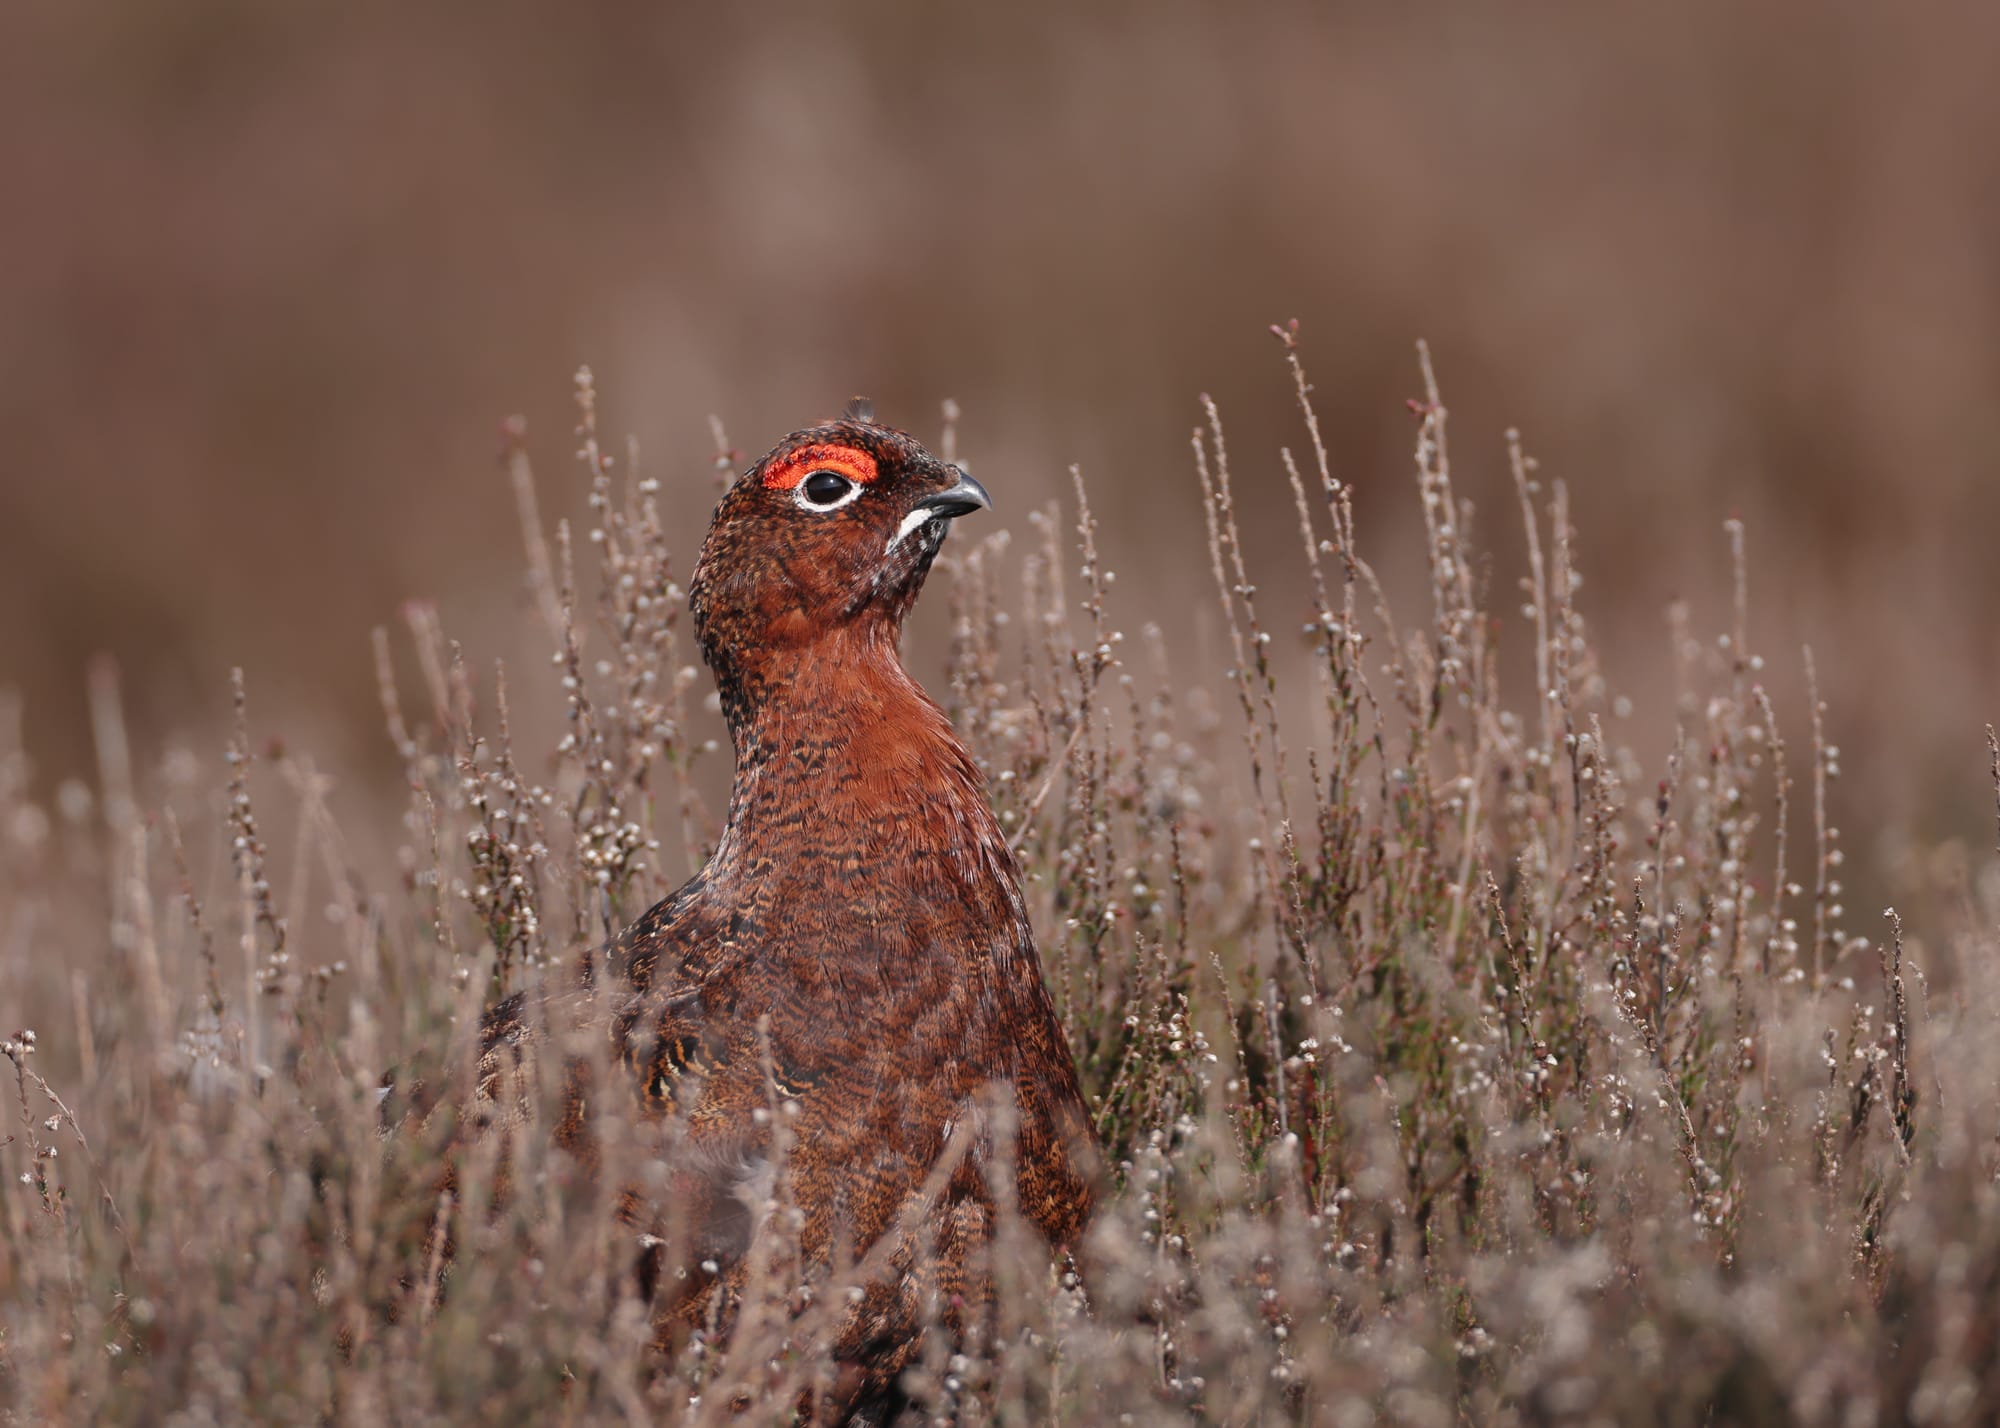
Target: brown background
{"points": [[271, 276]]}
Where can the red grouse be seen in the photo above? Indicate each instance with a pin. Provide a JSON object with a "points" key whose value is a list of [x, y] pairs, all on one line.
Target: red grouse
{"points": [[857, 948]]}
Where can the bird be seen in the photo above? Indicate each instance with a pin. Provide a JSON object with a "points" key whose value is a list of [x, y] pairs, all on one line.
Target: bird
{"points": [[853, 968]]}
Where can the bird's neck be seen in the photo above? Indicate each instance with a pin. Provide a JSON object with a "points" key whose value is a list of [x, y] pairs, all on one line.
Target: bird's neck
{"points": [[820, 691], [838, 727]]}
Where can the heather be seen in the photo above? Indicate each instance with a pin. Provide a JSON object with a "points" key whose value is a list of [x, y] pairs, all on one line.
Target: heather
{"points": [[1454, 1061]]}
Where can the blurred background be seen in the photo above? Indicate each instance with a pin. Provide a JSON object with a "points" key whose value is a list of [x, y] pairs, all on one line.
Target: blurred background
{"points": [[274, 276]]}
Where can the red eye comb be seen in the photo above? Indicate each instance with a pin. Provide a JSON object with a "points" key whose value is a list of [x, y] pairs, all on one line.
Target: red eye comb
{"points": [[856, 465]]}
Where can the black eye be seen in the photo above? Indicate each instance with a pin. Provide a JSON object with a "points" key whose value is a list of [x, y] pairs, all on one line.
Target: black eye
{"points": [[825, 488]]}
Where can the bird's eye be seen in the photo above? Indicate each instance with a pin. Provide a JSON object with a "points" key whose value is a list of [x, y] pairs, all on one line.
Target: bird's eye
{"points": [[824, 490]]}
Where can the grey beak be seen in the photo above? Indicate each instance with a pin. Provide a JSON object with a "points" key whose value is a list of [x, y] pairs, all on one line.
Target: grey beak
{"points": [[960, 499]]}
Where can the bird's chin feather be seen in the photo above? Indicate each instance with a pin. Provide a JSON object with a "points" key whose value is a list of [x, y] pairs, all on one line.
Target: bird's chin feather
{"points": [[907, 561], [929, 522]]}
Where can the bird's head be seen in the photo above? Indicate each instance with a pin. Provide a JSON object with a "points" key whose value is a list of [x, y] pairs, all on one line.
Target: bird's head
{"points": [[830, 534]]}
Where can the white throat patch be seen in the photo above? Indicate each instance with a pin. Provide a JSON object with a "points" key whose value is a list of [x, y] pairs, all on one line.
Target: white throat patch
{"points": [[914, 521]]}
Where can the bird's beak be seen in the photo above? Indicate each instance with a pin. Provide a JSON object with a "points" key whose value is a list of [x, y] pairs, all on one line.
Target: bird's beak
{"points": [[960, 499]]}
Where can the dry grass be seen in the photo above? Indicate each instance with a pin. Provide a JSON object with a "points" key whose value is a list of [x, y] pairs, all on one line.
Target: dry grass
{"points": [[1454, 1066]]}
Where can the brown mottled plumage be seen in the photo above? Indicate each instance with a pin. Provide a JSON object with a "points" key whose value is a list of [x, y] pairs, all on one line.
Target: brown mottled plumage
{"points": [[860, 931]]}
